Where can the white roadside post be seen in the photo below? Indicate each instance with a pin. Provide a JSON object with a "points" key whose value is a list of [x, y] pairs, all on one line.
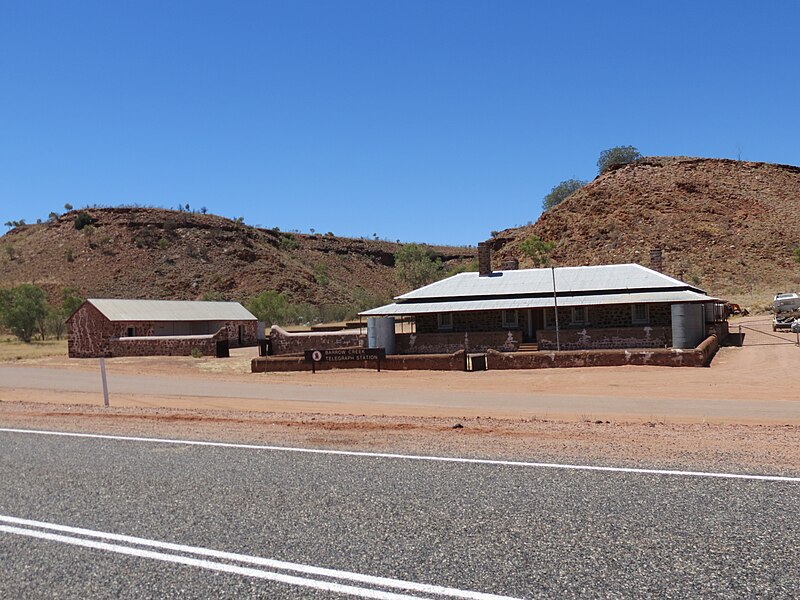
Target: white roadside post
{"points": [[105, 381]]}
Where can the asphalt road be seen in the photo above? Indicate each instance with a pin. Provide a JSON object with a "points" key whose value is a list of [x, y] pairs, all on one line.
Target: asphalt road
{"points": [[511, 530], [208, 393]]}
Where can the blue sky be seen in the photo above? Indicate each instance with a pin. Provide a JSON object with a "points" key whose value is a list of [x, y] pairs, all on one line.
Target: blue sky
{"points": [[432, 121]]}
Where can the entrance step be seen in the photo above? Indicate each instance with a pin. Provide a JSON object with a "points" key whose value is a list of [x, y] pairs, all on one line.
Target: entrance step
{"points": [[528, 347]]}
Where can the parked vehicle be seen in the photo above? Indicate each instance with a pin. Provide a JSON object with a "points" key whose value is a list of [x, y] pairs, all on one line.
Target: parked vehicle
{"points": [[786, 309]]}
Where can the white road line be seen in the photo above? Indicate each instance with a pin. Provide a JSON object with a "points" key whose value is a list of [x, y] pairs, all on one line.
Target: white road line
{"points": [[253, 560], [213, 566], [451, 459]]}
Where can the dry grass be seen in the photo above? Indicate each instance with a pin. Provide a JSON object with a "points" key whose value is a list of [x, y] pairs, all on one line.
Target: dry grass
{"points": [[12, 349]]}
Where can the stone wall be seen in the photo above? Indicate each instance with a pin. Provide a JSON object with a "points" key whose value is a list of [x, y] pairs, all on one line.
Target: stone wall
{"points": [[602, 316], [395, 362], [591, 338], [88, 333], [663, 357], [488, 320], [283, 343], [447, 343], [249, 333], [162, 345]]}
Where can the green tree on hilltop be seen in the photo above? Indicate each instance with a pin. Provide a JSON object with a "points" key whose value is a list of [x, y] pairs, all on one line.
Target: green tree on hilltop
{"points": [[619, 155], [561, 192]]}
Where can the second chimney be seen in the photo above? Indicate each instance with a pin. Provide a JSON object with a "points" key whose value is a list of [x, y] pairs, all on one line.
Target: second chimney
{"points": [[656, 260], [509, 264], [484, 259]]}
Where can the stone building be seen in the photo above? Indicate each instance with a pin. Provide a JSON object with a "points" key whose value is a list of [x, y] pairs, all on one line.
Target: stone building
{"points": [[104, 327], [564, 308]]}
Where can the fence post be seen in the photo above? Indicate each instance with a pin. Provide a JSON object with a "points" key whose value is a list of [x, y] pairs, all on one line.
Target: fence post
{"points": [[105, 382]]}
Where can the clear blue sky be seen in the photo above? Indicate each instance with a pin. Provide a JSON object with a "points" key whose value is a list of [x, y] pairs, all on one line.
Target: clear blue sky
{"points": [[434, 121]]}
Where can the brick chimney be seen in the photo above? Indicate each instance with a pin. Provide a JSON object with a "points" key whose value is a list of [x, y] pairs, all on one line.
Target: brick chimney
{"points": [[484, 259], [656, 260], [509, 264]]}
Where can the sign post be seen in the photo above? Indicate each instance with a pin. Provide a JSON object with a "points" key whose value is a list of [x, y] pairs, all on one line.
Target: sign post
{"points": [[345, 355], [105, 381]]}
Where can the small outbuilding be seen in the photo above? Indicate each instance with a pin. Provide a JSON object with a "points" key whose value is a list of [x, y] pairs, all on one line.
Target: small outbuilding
{"points": [[111, 327]]}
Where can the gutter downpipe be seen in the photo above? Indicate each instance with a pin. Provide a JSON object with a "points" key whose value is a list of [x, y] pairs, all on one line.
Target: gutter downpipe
{"points": [[555, 309]]}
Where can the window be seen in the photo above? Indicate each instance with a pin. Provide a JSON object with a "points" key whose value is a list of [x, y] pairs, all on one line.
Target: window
{"points": [[549, 318], [580, 315], [444, 320], [510, 319], [131, 331], [640, 314]]}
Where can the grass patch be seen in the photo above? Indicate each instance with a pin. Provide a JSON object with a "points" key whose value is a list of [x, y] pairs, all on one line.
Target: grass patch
{"points": [[12, 349]]}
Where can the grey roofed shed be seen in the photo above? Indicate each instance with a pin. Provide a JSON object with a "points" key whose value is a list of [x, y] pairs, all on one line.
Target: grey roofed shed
{"points": [[170, 310], [533, 288]]}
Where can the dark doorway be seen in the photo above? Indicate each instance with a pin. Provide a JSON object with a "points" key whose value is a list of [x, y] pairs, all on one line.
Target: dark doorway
{"points": [[223, 351], [241, 335]]}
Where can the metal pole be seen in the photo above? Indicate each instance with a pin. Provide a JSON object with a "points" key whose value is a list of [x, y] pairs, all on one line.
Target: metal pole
{"points": [[105, 382], [555, 309]]}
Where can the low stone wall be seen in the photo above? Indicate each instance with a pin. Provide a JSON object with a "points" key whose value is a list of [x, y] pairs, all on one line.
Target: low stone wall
{"points": [[395, 362], [659, 357], [448, 343], [284, 343], [166, 345], [610, 338]]}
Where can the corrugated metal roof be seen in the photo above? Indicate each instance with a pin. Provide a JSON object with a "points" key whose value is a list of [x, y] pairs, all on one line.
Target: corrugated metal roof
{"points": [[532, 281], [170, 310], [419, 308]]}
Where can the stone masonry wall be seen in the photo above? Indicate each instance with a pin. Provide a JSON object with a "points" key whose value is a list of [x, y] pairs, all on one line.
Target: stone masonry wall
{"points": [[395, 362], [591, 338], [664, 357], [603, 316], [250, 333], [661, 357], [166, 345], [447, 343], [88, 333], [283, 343]]}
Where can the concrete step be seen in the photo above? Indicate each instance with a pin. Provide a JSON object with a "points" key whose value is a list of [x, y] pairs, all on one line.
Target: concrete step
{"points": [[529, 347]]}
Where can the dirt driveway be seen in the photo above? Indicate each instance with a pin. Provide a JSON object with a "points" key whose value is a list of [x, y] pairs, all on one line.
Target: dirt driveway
{"points": [[756, 383]]}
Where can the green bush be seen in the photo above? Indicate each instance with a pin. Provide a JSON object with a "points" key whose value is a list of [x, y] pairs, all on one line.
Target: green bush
{"points": [[82, 219], [537, 250], [23, 309], [287, 242], [418, 265], [321, 275], [196, 353]]}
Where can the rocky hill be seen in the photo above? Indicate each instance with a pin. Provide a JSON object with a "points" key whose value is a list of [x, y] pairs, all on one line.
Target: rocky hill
{"points": [[167, 254], [730, 227]]}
